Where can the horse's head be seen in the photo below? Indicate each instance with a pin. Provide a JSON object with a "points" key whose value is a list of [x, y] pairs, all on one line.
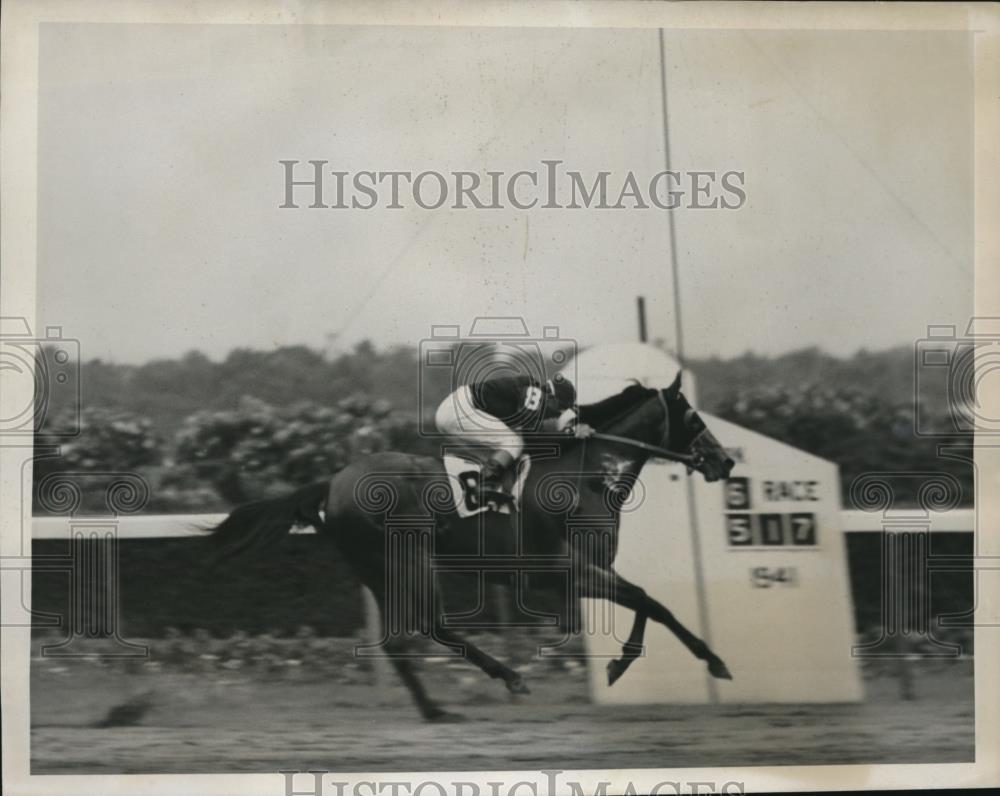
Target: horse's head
{"points": [[664, 419], [686, 432]]}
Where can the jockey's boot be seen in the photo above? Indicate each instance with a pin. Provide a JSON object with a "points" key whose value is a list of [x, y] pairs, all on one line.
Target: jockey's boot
{"points": [[491, 483]]}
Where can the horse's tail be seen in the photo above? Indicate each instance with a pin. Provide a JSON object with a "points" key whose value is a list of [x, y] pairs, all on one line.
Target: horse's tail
{"points": [[255, 526]]}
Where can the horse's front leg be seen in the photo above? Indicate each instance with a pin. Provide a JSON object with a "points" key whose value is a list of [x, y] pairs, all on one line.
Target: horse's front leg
{"points": [[631, 649], [606, 584]]}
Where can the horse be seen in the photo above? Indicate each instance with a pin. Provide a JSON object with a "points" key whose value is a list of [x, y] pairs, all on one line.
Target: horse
{"points": [[393, 518]]}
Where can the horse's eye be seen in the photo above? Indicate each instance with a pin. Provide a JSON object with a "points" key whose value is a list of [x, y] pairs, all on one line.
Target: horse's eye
{"points": [[693, 420]]}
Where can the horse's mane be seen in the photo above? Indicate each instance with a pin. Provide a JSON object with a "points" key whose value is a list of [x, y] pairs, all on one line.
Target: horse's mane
{"points": [[602, 413]]}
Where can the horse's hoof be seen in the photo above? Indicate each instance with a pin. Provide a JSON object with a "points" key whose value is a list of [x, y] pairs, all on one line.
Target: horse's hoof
{"points": [[444, 717], [615, 670], [718, 669], [518, 686]]}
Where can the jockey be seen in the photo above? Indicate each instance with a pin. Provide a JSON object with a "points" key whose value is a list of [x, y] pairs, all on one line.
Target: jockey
{"points": [[495, 412]]}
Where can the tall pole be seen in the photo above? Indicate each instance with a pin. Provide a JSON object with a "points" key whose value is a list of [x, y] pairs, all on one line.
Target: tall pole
{"points": [[641, 302], [696, 557], [674, 271]]}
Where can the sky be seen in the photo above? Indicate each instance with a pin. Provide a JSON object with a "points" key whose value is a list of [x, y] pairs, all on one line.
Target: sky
{"points": [[160, 230]]}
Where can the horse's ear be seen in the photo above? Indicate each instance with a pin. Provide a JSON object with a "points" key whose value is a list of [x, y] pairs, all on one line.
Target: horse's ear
{"points": [[675, 386]]}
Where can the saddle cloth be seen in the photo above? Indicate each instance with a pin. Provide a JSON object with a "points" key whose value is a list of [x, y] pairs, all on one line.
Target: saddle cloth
{"points": [[465, 474]]}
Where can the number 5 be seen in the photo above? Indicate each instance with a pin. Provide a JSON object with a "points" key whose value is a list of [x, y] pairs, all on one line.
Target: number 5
{"points": [[738, 529]]}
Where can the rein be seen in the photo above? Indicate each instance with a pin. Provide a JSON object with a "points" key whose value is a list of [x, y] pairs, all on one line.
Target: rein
{"points": [[661, 453]]}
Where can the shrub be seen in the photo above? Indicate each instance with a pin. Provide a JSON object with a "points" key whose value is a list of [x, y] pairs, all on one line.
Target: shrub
{"points": [[859, 430], [258, 450], [109, 444]]}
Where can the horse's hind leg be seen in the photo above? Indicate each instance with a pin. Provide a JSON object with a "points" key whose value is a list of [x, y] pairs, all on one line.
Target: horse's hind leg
{"points": [[428, 708], [398, 647], [514, 682]]}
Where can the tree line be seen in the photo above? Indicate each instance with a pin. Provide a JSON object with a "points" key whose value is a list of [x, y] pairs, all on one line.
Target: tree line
{"points": [[206, 435]]}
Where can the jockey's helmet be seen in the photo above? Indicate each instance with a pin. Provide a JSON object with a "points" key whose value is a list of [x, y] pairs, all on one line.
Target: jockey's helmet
{"points": [[562, 390]]}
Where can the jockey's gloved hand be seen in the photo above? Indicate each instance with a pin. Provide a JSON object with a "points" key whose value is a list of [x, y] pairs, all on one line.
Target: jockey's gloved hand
{"points": [[582, 431]]}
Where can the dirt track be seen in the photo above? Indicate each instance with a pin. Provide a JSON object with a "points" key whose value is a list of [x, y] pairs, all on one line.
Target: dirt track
{"points": [[193, 726]]}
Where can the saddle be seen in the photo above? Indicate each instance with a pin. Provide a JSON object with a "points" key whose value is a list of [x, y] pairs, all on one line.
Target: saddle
{"points": [[465, 475]]}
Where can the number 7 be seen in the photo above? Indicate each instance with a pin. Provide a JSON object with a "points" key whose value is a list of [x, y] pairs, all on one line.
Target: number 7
{"points": [[803, 529]]}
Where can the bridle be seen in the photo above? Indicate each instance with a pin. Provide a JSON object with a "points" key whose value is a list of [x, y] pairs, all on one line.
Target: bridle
{"points": [[692, 460]]}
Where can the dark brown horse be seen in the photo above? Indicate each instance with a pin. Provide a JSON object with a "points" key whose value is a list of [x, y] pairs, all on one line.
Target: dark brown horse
{"points": [[393, 519]]}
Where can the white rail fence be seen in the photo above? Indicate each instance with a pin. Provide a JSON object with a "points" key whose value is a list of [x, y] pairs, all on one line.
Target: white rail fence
{"points": [[155, 526]]}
